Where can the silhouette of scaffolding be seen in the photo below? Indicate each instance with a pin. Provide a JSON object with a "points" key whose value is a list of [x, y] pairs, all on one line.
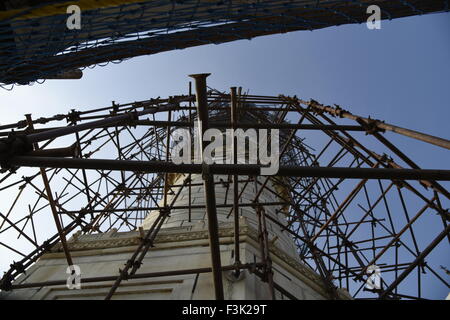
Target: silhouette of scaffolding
{"points": [[35, 42], [348, 207]]}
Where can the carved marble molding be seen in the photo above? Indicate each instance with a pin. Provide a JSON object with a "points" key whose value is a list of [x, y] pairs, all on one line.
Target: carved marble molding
{"points": [[116, 240]]}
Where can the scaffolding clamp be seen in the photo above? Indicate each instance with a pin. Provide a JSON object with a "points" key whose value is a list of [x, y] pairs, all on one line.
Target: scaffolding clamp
{"points": [[73, 116], [6, 283], [18, 266], [13, 145]]}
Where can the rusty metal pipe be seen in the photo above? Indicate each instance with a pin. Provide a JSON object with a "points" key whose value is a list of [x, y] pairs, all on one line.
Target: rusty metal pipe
{"points": [[208, 178], [58, 132], [441, 142], [234, 120], [56, 152], [51, 201], [225, 169], [130, 277]]}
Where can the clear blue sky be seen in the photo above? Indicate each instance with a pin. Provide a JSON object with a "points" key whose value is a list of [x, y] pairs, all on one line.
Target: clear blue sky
{"points": [[400, 74]]}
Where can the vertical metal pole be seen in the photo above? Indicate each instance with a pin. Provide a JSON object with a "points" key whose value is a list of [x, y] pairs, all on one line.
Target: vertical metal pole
{"points": [[208, 181], [51, 201], [267, 252], [191, 142], [166, 175], [83, 171], [234, 119]]}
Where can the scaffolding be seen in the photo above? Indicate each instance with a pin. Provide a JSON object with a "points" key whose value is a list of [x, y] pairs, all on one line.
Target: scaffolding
{"points": [[353, 200]]}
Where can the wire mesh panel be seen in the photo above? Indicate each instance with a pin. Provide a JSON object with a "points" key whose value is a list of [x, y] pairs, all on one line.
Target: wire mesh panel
{"points": [[35, 42]]}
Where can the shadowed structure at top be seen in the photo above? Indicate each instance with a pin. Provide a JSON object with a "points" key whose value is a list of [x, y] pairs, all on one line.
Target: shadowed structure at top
{"points": [[35, 42]]}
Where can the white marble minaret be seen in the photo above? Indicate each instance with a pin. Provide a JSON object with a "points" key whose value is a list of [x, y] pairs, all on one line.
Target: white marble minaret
{"points": [[181, 244]]}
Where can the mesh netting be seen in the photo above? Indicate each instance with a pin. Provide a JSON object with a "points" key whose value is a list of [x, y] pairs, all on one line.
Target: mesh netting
{"points": [[35, 42]]}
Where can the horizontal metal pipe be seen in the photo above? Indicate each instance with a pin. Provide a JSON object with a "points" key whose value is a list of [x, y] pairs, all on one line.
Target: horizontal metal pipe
{"points": [[243, 125], [225, 169], [56, 152], [198, 206], [69, 74], [187, 124], [42, 136], [134, 276]]}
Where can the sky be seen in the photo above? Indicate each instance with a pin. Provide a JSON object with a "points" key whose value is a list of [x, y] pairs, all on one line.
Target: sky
{"points": [[400, 74]]}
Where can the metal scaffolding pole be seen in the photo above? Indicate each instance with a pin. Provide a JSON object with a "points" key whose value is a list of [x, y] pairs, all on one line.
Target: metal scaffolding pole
{"points": [[208, 178], [239, 169]]}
